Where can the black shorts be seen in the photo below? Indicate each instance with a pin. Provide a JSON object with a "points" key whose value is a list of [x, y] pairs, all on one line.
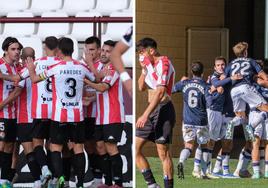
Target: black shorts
{"points": [[61, 133], [25, 132], [159, 126], [89, 128], [8, 130], [109, 133], [41, 128]]}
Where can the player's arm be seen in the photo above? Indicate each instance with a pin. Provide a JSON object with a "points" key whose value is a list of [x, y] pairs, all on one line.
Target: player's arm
{"points": [[12, 78], [178, 87], [141, 82], [12, 96], [158, 95], [31, 68], [101, 87], [262, 82]]}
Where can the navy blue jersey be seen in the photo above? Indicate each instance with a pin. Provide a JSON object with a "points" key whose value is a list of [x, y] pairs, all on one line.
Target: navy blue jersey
{"points": [[194, 101], [215, 100], [246, 67], [228, 109], [262, 90]]}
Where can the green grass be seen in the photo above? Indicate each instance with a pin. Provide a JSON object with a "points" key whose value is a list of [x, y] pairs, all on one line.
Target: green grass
{"points": [[190, 182]]}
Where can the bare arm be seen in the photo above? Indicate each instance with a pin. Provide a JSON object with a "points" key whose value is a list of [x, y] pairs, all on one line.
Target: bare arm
{"points": [[116, 59], [101, 87], [13, 95], [160, 91], [12, 78], [141, 82], [31, 68]]}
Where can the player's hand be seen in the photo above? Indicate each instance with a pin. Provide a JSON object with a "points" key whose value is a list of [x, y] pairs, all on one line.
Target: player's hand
{"points": [[220, 90], [128, 86], [144, 61], [184, 78], [88, 58], [212, 89], [222, 76], [30, 64], [236, 77], [141, 121]]}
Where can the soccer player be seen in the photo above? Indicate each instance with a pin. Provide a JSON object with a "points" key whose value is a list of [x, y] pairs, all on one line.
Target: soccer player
{"points": [[195, 125], [157, 121], [121, 47], [92, 55], [24, 119], [67, 110], [11, 48], [110, 118]]}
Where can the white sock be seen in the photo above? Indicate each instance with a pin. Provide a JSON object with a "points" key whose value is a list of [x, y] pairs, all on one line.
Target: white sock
{"points": [[185, 153], [197, 160], [240, 161], [225, 163], [217, 167], [266, 166], [256, 167], [246, 159]]}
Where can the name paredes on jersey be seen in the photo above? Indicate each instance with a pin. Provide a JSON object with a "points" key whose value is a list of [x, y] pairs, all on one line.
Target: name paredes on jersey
{"points": [[195, 85], [71, 72]]}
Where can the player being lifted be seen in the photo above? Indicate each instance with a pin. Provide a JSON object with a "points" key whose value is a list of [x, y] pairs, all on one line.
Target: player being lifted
{"points": [[195, 125]]}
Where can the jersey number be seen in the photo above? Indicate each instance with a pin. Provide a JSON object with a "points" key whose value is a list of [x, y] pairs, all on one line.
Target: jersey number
{"points": [[49, 85], [71, 82], [192, 98], [244, 68]]}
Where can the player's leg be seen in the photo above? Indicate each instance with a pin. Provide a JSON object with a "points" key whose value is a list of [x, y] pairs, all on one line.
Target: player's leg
{"points": [[217, 167], [24, 134], [104, 156], [40, 133], [112, 135], [58, 134]]}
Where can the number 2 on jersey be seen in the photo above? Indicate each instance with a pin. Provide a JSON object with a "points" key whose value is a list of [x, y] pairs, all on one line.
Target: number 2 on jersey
{"points": [[192, 98], [244, 68]]}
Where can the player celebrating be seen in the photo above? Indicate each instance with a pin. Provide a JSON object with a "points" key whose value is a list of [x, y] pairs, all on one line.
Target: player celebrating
{"points": [[195, 125], [157, 121], [67, 111], [110, 118]]}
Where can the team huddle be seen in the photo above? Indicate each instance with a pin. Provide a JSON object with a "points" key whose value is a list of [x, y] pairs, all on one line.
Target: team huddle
{"points": [[56, 107], [235, 94]]}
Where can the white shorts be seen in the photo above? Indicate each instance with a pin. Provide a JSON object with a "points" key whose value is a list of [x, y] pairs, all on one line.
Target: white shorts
{"points": [[265, 130], [190, 132], [215, 123], [246, 94], [259, 129]]}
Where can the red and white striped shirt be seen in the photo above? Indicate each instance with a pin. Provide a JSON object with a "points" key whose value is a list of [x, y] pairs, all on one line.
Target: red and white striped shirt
{"points": [[110, 103], [67, 89], [6, 87], [42, 91], [90, 110], [162, 73], [24, 102]]}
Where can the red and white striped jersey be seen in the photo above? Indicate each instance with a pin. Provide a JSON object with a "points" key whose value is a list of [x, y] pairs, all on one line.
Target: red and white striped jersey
{"points": [[110, 104], [6, 87], [90, 110], [24, 102], [67, 89], [162, 73], [42, 91]]}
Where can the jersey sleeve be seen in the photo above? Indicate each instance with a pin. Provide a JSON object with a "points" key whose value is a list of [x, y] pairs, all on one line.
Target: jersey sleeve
{"points": [[162, 79], [227, 71], [255, 65], [50, 71], [24, 73], [178, 86], [127, 38], [90, 75], [111, 77]]}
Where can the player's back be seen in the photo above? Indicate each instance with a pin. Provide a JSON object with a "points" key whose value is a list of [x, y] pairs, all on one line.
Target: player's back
{"points": [[194, 109], [246, 67]]}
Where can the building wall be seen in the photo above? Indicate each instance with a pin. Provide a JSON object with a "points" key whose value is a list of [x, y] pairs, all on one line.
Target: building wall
{"points": [[167, 21]]}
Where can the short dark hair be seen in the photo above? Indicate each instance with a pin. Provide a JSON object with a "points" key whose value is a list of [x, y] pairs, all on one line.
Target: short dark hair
{"points": [[66, 45], [197, 68], [220, 58], [93, 39], [110, 43], [51, 42], [8, 41], [146, 42]]}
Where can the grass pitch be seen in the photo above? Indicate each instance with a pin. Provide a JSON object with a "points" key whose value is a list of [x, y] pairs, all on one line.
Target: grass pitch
{"points": [[191, 182]]}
